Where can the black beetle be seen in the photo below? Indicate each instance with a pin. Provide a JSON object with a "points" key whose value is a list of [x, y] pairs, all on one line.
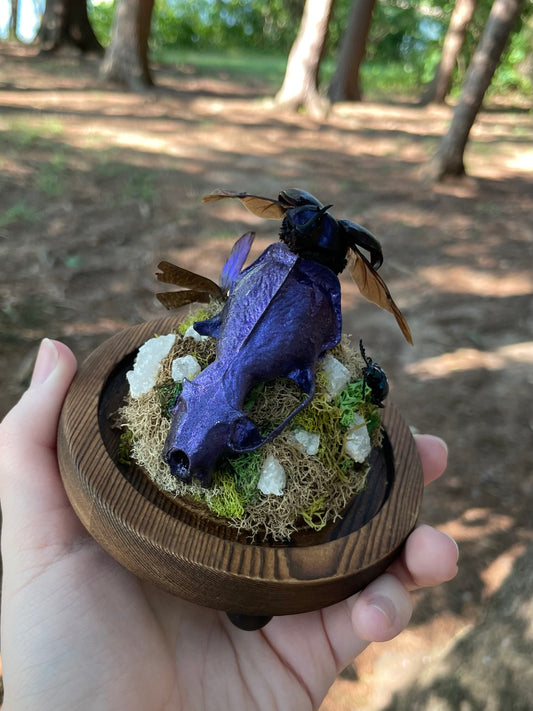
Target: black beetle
{"points": [[374, 376]]}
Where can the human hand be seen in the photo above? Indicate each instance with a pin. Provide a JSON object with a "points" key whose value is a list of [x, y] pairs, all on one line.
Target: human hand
{"points": [[81, 632]]}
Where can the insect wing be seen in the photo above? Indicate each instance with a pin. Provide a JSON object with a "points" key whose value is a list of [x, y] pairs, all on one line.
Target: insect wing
{"points": [[176, 299], [373, 288], [359, 236], [260, 206], [172, 274], [235, 261]]}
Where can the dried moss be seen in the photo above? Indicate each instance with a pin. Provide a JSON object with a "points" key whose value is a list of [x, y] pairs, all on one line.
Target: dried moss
{"points": [[318, 487], [315, 514]]}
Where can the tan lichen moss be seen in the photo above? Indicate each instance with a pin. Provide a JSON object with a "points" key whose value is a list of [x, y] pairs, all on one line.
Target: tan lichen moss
{"points": [[318, 487]]}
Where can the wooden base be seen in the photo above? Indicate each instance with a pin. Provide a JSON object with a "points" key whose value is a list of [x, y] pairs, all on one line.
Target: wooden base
{"points": [[198, 558]]}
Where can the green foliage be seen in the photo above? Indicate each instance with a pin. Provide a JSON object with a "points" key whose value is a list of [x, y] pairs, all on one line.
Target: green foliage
{"points": [[513, 72], [405, 43], [222, 24], [101, 19], [250, 40]]}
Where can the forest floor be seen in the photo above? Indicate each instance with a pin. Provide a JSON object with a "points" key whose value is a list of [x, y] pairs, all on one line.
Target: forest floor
{"points": [[97, 186]]}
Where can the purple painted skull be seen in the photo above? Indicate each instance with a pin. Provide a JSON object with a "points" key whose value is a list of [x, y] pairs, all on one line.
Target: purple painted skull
{"points": [[282, 315]]}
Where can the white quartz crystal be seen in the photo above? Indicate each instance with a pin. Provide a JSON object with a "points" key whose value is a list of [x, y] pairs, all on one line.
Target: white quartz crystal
{"points": [[185, 367], [143, 376], [308, 441], [337, 375], [273, 477], [357, 443], [192, 333]]}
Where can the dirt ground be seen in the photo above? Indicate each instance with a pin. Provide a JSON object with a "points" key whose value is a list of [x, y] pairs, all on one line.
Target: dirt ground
{"points": [[97, 186]]}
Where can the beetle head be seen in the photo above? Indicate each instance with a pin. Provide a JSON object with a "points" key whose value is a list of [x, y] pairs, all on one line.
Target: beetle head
{"points": [[312, 233]]}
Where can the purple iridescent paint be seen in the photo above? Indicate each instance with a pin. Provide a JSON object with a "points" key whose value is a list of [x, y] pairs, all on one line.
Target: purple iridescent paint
{"points": [[282, 315]]}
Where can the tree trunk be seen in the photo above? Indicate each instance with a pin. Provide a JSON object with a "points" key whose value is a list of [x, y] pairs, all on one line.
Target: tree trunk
{"points": [[300, 85], [449, 158], [13, 20], [455, 36], [126, 58], [65, 22], [345, 83]]}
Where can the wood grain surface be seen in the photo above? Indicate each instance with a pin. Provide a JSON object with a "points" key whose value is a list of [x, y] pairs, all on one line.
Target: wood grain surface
{"points": [[191, 554]]}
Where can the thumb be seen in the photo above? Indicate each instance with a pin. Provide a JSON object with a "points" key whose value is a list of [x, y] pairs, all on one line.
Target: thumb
{"points": [[37, 412], [29, 477]]}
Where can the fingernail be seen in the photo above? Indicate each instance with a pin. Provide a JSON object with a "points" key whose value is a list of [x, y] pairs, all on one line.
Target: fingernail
{"points": [[46, 362], [454, 543], [385, 606]]}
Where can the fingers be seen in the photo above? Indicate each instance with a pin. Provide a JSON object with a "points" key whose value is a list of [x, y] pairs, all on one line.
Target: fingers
{"points": [[384, 608], [381, 610], [433, 454], [429, 558], [378, 613]]}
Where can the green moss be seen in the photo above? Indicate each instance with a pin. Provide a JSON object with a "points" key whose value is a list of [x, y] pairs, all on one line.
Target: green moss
{"points": [[351, 400], [125, 446], [246, 470], [322, 417], [196, 315], [226, 502], [372, 416], [234, 485], [317, 416], [167, 393]]}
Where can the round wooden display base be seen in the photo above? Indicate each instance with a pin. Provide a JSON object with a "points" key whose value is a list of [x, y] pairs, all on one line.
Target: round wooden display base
{"points": [[199, 558]]}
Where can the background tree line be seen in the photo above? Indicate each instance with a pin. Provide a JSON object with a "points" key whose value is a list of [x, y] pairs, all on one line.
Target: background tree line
{"points": [[402, 51], [428, 49]]}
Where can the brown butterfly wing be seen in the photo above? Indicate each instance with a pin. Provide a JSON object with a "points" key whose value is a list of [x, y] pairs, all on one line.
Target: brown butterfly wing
{"points": [[260, 206], [172, 274], [176, 299], [373, 288]]}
